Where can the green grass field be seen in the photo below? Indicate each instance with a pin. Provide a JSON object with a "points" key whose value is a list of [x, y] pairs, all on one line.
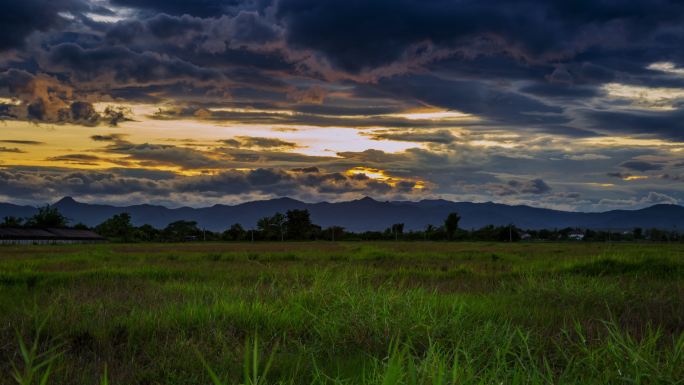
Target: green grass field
{"points": [[344, 313]]}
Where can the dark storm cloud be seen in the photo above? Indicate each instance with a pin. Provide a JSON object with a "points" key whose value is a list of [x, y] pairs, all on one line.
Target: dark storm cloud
{"points": [[160, 27], [532, 74], [638, 165], [45, 183], [555, 90], [6, 111], [152, 184], [667, 124], [279, 116], [165, 26], [108, 138], [24, 142], [119, 65], [361, 109], [440, 136], [281, 182], [196, 39], [44, 98], [11, 150], [516, 187], [19, 18], [259, 142], [491, 102], [675, 178], [82, 159], [620, 175], [361, 34], [312, 169], [534, 186], [164, 155], [251, 141], [559, 55], [202, 8], [84, 113]]}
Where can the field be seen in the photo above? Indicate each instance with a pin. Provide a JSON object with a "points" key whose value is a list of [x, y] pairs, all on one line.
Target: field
{"points": [[344, 313]]}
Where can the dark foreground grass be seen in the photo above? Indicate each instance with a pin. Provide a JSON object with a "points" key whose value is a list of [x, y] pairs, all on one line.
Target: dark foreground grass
{"points": [[345, 313]]}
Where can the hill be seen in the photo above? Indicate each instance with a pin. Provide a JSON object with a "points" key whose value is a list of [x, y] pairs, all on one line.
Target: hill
{"points": [[369, 214]]}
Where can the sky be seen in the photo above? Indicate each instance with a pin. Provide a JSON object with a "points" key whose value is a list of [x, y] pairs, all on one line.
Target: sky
{"points": [[571, 105]]}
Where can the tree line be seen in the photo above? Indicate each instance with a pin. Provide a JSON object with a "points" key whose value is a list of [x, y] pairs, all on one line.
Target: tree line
{"points": [[296, 225]]}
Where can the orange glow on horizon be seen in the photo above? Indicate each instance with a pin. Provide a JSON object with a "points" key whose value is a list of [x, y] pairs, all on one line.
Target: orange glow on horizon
{"points": [[635, 177], [382, 176]]}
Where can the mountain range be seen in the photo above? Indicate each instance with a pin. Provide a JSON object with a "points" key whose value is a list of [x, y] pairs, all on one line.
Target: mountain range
{"points": [[368, 214]]}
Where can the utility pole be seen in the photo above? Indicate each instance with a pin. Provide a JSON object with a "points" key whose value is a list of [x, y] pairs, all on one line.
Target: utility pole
{"points": [[332, 230], [510, 233], [251, 231], [675, 233]]}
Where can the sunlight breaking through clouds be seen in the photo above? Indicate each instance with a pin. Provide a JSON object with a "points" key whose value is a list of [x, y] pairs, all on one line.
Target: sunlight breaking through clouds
{"points": [[480, 105], [655, 98]]}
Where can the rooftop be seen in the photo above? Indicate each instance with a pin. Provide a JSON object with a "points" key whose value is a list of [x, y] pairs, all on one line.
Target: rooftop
{"points": [[49, 233]]}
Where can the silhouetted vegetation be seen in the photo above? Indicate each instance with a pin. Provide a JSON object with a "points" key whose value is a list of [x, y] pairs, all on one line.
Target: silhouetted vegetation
{"points": [[118, 228], [11, 221], [296, 225], [47, 216]]}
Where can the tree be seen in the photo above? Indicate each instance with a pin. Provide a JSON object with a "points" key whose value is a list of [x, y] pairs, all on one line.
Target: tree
{"points": [[235, 233], [47, 216], [11, 221], [147, 233], [397, 230], [265, 227], [272, 227], [334, 233], [507, 234], [298, 224], [451, 224], [638, 233], [429, 229], [181, 231], [278, 223], [118, 227]]}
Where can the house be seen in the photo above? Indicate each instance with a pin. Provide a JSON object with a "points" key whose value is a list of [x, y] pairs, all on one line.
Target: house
{"points": [[576, 235], [28, 236]]}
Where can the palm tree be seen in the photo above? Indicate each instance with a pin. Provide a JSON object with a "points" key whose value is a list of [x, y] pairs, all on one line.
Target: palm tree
{"points": [[429, 229]]}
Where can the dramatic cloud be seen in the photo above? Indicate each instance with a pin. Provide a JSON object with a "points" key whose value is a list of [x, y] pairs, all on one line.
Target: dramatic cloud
{"points": [[440, 136], [23, 142], [19, 18], [357, 35], [513, 187], [119, 66], [637, 165], [573, 105], [204, 8], [266, 143], [9, 149], [43, 98], [112, 184], [108, 138], [164, 155], [83, 159]]}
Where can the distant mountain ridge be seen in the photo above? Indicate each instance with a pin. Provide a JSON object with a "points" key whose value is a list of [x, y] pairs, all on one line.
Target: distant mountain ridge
{"points": [[368, 214]]}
